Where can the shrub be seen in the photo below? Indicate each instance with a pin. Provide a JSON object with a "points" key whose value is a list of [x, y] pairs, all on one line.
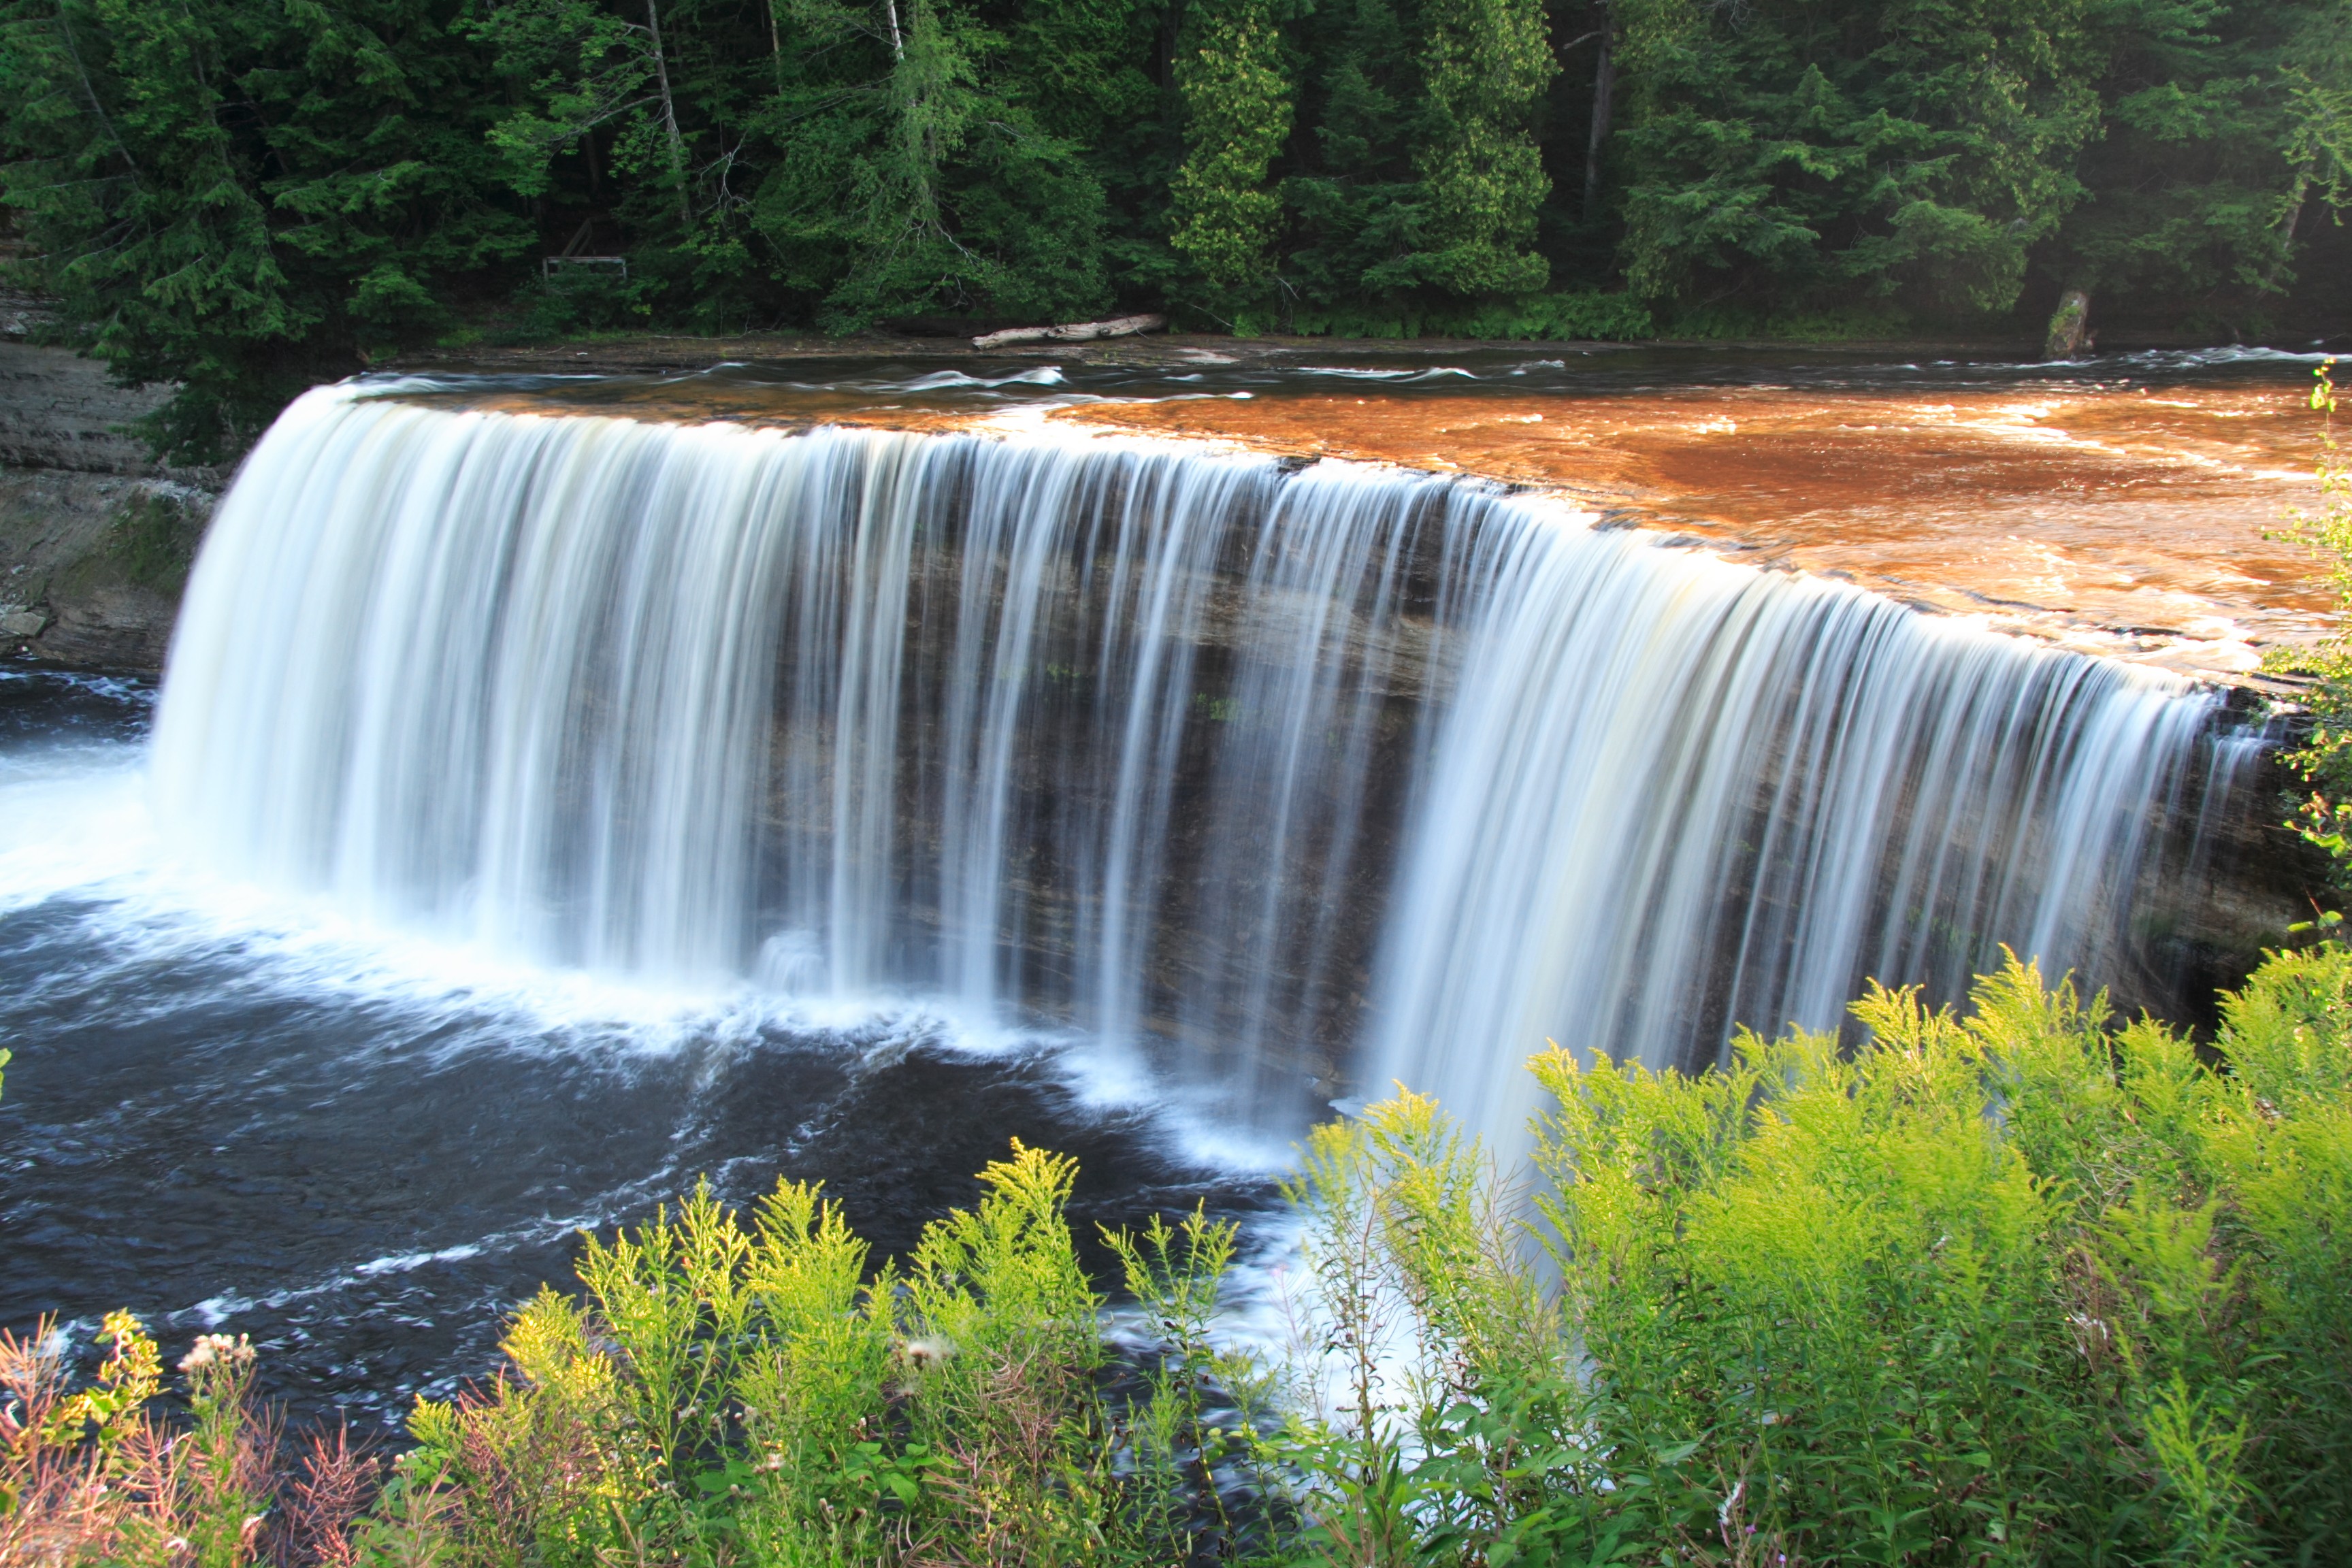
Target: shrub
{"points": [[1585, 316], [726, 1390], [2324, 757], [2017, 1285], [2022, 1286]]}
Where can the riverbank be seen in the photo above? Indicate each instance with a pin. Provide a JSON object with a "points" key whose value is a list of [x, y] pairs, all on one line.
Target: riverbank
{"points": [[96, 537]]}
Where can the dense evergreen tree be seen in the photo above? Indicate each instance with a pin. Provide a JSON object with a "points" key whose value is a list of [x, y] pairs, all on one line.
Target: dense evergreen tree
{"points": [[242, 196], [245, 194], [1236, 98], [1799, 151], [2225, 135]]}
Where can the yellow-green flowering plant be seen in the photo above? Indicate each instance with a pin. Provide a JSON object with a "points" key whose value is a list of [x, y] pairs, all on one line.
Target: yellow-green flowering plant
{"points": [[2324, 758]]}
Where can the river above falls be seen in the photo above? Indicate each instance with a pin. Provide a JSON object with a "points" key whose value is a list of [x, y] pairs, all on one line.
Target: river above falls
{"points": [[2125, 505]]}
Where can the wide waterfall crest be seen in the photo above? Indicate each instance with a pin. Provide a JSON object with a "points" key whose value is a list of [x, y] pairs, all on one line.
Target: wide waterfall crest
{"points": [[1285, 780]]}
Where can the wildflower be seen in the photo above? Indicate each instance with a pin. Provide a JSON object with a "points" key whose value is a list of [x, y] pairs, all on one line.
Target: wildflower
{"points": [[925, 1353], [233, 1353]]}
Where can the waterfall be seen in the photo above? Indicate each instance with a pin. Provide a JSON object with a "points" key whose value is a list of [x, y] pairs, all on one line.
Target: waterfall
{"points": [[1674, 801], [1278, 779]]}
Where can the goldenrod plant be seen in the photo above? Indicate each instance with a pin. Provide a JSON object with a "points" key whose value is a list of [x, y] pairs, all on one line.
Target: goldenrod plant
{"points": [[749, 1390], [2017, 1285], [2020, 1285], [2324, 818]]}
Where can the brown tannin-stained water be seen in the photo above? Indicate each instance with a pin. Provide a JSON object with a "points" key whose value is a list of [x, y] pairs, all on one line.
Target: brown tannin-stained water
{"points": [[563, 787], [2144, 512]]}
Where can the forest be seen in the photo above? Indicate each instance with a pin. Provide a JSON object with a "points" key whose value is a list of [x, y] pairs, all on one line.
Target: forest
{"points": [[243, 196]]}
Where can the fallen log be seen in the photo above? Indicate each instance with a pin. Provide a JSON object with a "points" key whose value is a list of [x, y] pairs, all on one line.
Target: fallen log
{"points": [[1071, 331]]}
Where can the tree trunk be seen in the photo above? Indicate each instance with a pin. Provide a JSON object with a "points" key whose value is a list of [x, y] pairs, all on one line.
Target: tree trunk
{"points": [[2067, 324], [1604, 85], [776, 45], [670, 114], [2272, 278]]}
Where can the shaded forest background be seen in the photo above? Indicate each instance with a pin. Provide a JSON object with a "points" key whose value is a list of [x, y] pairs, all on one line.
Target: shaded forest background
{"points": [[246, 196]]}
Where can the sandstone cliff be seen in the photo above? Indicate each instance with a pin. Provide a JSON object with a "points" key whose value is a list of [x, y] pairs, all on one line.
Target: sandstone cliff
{"points": [[95, 537]]}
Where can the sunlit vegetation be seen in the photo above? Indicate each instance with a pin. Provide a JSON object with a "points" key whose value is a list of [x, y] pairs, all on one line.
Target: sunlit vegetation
{"points": [[2323, 817], [2020, 1284]]}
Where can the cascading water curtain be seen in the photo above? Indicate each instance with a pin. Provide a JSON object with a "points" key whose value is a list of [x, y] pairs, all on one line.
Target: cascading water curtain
{"points": [[1673, 796], [1285, 780]]}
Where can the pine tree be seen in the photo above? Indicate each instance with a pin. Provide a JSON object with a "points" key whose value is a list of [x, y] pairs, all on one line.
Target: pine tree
{"points": [[1485, 64], [1238, 107]]}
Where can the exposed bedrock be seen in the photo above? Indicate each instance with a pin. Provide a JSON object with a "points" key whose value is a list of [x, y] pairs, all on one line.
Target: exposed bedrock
{"points": [[95, 537]]}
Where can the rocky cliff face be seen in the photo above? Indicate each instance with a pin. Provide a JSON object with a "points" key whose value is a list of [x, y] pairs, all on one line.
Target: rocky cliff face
{"points": [[95, 538]]}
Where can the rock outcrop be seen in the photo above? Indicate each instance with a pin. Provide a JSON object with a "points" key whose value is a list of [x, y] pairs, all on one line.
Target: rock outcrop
{"points": [[95, 538]]}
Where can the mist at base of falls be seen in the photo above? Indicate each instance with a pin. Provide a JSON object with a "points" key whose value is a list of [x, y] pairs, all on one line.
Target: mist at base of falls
{"points": [[541, 811]]}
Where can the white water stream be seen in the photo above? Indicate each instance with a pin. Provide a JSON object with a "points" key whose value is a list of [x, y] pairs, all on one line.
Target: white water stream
{"points": [[1281, 782]]}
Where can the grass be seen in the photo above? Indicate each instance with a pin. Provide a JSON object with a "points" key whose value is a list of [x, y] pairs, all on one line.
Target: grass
{"points": [[2016, 1285]]}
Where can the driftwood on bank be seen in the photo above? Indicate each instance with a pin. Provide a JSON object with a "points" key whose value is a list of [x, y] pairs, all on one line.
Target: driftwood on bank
{"points": [[1071, 331]]}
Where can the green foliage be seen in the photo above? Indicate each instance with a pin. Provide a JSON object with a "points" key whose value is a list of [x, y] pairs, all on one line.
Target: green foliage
{"points": [[1919, 149], [1484, 65], [1237, 115], [1356, 201], [1593, 317], [724, 1389], [923, 186], [2016, 1285], [2224, 129], [583, 66], [2021, 1286], [2324, 819], [245, 197]]}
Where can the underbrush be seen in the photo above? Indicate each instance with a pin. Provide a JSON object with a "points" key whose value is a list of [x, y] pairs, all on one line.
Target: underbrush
{"points": [[1586, 317], [2016, 1286]]}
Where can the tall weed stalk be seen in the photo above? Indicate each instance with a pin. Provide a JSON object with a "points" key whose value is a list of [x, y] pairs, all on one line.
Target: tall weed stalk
{"points": [[731, 1389]]}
